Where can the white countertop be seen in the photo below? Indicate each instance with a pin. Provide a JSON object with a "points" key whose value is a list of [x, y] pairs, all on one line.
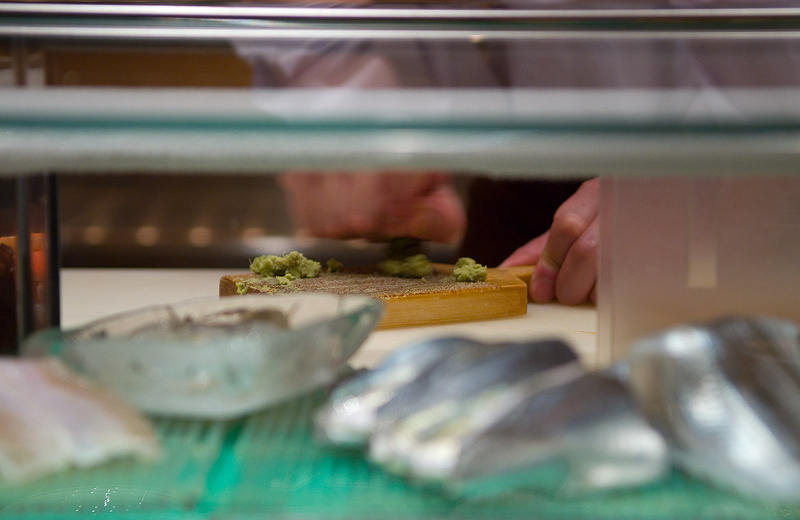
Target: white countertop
{"points": [[87, 294]]}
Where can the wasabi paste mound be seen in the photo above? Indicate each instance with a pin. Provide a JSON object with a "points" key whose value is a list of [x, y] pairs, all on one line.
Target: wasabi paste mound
{"points": [[405, 259], [291, 266], [468, 270], [242, 286], [417, 266], [334, 266]]}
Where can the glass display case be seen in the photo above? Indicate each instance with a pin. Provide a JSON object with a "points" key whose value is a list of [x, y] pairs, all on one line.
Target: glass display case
{"points": [[512, 90], [154, 134], [103, 95]]}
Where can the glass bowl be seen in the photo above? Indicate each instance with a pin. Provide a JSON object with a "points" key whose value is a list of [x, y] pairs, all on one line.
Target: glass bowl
{"points": [[219, 358]]}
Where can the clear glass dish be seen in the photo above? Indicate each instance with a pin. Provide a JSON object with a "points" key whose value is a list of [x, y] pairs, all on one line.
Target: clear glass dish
{"points": [[219, 358]]}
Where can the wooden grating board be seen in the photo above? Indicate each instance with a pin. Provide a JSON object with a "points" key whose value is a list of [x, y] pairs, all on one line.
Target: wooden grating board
{"points": [[411, 302]]}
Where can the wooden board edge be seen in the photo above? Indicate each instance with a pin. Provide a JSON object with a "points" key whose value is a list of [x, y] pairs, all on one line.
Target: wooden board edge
{"points": [[416, 309]]}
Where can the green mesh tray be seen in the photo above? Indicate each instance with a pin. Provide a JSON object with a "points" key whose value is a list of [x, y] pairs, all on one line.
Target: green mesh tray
{"points": [[268, 466], [177, 482]]}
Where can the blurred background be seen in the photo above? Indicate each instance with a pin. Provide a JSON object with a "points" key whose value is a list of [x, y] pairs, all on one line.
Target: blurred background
{"points": [[148, 219]]}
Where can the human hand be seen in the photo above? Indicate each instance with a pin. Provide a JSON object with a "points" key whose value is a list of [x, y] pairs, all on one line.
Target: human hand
{"points": [[566, 255], [375, 205]]}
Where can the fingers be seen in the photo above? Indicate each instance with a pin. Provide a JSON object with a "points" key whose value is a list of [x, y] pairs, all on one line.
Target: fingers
{"points": [[376, 205], [578, 274], [438, 215], [566, 268], [355, 206], [332, 205]]}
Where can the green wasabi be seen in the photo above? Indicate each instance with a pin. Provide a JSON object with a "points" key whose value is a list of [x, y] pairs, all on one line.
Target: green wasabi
{"points": [[405, 259], [468, 270], [244, 285], [285, 280], [334, 266], [416, 266], [399, 263], [294, 264]]}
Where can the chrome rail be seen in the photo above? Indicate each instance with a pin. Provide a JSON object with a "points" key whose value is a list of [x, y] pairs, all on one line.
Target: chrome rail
{"points": [[747, 16], [263, 21]]}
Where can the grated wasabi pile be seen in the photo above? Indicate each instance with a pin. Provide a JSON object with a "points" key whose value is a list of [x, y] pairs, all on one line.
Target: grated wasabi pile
{"points": [[292, 264], [468, 270], [334, 266], [399, 263], [416, 266]]}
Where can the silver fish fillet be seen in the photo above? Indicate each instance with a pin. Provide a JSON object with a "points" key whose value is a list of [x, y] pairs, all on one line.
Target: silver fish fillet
{"points": [[53, 419], [574, 432], [726, 395], [425, 374], [455, 388], [430, 449], [350, 414]]}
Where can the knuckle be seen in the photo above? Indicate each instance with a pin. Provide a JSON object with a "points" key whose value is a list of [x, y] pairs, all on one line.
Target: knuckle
{"points": [[569, 224]]}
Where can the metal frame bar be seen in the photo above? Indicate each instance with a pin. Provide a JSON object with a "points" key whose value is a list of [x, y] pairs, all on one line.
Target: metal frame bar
{"points": [[25, 322], [747, 15], [277, 32], [53, 247], [168, 22]]}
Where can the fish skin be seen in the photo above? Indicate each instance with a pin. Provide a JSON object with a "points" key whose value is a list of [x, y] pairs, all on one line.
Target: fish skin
{"points": [[725, 395], [454, 388], [350, 413], [432, 453], [762, 358], [474, 367], [579, 433]]}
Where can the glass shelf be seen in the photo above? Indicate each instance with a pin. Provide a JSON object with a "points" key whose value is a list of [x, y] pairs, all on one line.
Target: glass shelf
{"points": [[656, 87], [492, 131]]}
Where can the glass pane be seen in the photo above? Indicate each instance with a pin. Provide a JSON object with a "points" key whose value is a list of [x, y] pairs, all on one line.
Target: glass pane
{"points": [[502, 90], [118, 97]]}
